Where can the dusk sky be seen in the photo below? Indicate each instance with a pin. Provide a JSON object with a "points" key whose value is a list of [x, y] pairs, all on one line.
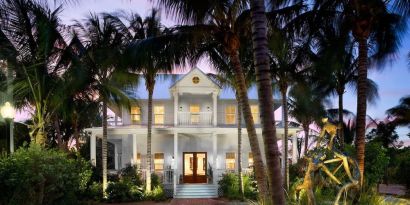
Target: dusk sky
{"points": [[393, 80]]}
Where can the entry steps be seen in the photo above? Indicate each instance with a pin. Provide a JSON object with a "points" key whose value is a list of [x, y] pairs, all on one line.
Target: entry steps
{"points": [[196, 191]]}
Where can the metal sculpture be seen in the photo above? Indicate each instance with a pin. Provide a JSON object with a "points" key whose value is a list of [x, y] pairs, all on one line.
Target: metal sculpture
{"points": [[319, 159]]}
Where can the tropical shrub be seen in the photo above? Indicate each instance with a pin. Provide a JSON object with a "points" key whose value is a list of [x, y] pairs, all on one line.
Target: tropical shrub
{"points": [[229, 184], [132, 174], [123, 191], [36, 175], [156, 194], [376, 163]]}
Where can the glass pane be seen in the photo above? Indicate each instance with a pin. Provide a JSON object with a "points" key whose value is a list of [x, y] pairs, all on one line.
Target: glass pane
{"points": [[194, 108], [231, 109], [201, 164], [189, 164], [230, 119], [250, 159], [230, 160], [159, 119], [135, 110], [159, 161], [135, 118], [255, 113], [159, 109]]}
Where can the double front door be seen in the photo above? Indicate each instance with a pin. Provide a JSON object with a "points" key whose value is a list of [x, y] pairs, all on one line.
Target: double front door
{"points": [[195, 167]]}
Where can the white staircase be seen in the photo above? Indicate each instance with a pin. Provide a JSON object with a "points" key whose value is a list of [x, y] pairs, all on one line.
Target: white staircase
{"points": [[196, 191]]}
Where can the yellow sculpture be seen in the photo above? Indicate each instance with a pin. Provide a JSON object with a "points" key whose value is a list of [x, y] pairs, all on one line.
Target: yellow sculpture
{"points": [[318, 158]]}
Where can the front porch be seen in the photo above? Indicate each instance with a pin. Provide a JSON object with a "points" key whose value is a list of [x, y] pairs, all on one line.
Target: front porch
{"points": [[181, 157]]}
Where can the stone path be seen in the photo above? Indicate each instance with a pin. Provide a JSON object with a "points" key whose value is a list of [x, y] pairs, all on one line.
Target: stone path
{"points": [[186, 202]]}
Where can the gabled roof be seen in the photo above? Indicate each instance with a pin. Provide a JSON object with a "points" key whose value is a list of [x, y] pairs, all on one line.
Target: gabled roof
{"points": [[200, 72]]}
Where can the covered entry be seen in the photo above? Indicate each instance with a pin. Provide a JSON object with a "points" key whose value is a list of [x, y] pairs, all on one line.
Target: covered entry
{"points": [[195, 167]]}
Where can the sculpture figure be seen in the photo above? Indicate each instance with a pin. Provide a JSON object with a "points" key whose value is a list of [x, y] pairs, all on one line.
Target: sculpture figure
{"points": [[317, 159]]}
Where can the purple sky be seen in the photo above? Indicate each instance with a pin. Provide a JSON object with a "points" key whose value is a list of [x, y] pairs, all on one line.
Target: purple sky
{"points": [[393, 80]]}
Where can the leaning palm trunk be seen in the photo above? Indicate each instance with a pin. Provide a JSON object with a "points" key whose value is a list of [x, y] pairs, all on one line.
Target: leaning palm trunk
{"points": [[285, 138], [250, 125], [340, 113], [149, 140], [104, 147], [306, 131], [361, 105], [264, 82], [239, 121], [37, 130]]}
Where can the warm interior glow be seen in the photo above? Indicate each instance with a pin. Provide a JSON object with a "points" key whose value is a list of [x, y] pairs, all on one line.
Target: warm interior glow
{"points": [[230, 160], [158, 161], [250, 159], [230, 114], [255, 113], [159, 112], [135, 114], [194, 110], [8, 111]]}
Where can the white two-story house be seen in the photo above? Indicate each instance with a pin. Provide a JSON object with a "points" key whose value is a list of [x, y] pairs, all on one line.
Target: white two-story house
{"points": [[194, 133]]}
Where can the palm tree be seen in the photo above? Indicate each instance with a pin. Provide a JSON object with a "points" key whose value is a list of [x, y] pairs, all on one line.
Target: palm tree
{"points": [[401, 112], [226, 78], [307, 105], [104, 44], [373, 25], [264, 81], [150, 62], [336, 51], [36, 50], [220, 24]]}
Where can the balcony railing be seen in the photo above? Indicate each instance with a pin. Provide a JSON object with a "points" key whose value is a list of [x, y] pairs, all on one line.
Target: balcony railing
{"points": [[197, 118]]}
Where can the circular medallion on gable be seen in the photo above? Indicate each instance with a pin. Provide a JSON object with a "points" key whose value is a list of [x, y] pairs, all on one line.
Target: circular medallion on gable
{"points": [[195, 80]]}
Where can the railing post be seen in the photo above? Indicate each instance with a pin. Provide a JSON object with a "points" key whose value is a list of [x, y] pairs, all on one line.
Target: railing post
{"points": [[175, 165], [93, 154]]}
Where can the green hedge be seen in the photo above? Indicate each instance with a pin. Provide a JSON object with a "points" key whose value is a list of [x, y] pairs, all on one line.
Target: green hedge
{"points": [[229, 184], [35, 175]]}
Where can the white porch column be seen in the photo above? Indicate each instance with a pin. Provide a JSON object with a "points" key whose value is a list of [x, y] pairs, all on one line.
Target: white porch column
{"points": [[214, 99], [12, 136], [134, 149], [93, 147], [175, 165], [175, 108], [214, 157], [115, 156], [294, 149]]}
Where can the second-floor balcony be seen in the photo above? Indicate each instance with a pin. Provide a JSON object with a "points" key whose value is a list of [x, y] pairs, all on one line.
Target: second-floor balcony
{"points": [[195, 118]]}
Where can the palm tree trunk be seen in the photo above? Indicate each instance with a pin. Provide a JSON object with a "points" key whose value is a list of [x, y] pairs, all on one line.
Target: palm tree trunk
{"points": [[149, 139], [264, 82], [104, 146], [250, 125], [239, 121], [361, 105], [340, 113], [306, 131], [285, 137]]}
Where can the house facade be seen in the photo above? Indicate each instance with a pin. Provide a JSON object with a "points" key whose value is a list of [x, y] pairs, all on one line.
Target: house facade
{"points": [[194, 136]]}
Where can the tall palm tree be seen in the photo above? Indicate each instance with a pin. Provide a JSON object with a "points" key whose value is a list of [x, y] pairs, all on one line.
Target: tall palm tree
{"points": [[401, 113], [336, 67], [307, 105], [373, 25], [226, 78], [220, 24], [36, 53], [104, 44], [150, 62]]}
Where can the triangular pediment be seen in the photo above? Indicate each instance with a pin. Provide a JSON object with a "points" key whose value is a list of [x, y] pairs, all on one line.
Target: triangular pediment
{"points": [[195, 79]]}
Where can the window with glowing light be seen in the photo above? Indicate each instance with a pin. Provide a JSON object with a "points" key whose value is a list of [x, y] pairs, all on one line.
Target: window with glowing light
{"points": [[230, 114], [135, 114], [255, 113], [159, 112], [194, 110], [230, 160], [158, 161]]}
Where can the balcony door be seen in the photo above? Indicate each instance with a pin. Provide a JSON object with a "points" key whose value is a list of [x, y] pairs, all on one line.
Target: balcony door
{"points": [[195, 167]]}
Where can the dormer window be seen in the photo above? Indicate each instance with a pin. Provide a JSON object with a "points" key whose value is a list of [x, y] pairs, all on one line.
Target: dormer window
{"points": [[135, 114]]}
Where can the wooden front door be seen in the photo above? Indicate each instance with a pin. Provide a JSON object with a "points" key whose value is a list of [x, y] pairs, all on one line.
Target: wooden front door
{"points": [[195, 167]]}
